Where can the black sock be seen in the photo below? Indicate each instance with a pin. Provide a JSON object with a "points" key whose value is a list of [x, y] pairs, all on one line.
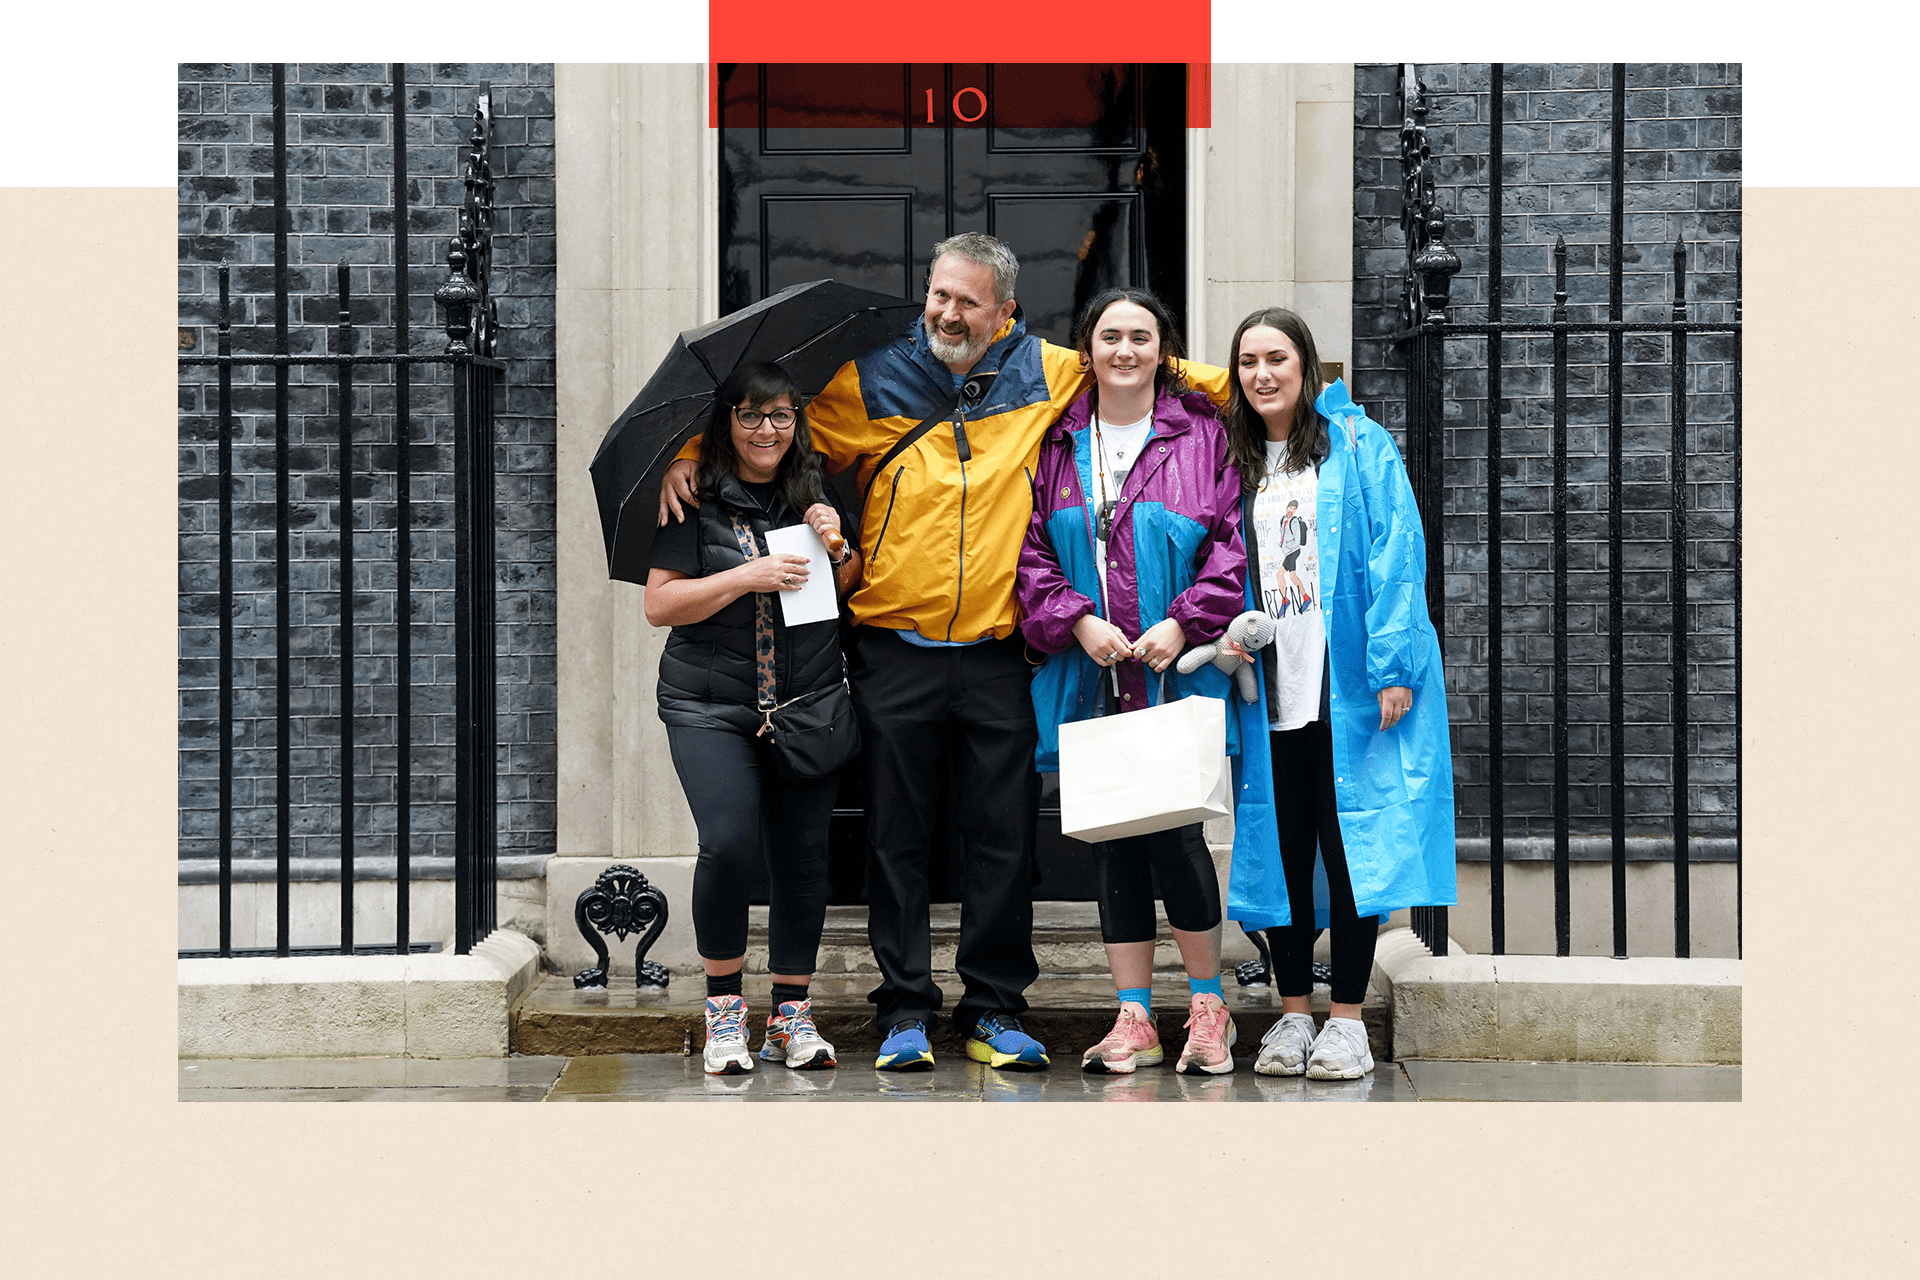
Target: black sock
{"points": [[783, 992], [728, 985]]}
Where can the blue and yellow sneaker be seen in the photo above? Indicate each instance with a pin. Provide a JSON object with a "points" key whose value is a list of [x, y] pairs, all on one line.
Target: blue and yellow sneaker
{"points": [[999, 1041], [906, 1048]]}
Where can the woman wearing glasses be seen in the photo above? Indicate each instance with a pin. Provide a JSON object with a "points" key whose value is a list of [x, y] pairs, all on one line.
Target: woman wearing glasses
{"points": [[1134, 553], [731, 654]]}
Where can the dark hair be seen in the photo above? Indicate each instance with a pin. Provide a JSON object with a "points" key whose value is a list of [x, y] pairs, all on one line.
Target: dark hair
{"points": [[799, 475], [1171, 348], [1246, 430]]}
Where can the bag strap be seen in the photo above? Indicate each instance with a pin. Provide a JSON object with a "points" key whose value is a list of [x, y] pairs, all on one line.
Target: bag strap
{"points": [[767, 729], [906, 442], [764, 678], [971, 391], [1100, 578]]}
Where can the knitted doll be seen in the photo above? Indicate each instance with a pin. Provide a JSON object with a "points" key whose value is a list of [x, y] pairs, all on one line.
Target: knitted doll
{"points": [[1250, 631]]}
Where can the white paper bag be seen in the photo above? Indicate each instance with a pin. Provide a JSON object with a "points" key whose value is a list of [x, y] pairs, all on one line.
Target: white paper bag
{"points": [[1148, 770]]}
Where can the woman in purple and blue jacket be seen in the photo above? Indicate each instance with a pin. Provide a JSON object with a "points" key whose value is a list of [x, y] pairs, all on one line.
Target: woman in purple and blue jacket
{"points": [[1133, 554]]}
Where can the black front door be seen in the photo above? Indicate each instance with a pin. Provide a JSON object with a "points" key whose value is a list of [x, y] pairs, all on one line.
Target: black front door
{"points": [[856, 171]]}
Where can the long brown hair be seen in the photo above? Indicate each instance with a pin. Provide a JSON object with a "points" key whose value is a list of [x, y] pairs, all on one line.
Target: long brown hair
{"points": [[1246, 430], [1166, 376], [798, 477]]}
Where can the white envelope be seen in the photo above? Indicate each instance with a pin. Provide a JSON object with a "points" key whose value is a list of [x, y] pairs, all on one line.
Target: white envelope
{"points": [[816, 601]]}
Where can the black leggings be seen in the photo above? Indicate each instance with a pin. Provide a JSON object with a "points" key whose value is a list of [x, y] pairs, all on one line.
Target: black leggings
{"points": [[1188, 883], [750, 816], [1306, 810]]}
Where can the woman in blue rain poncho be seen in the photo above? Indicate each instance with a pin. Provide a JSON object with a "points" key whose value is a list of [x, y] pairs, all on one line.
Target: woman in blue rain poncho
{"points": [[1352, 690]]}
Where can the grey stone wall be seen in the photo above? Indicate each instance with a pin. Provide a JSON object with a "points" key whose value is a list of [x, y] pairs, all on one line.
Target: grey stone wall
{"points": [[1682, 178], [340, 177]]}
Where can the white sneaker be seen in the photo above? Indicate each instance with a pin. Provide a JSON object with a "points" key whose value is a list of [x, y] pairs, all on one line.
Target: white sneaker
{"points": [[1284, 1049], [1340, 1051], [726, 1052], [793, 1039]]}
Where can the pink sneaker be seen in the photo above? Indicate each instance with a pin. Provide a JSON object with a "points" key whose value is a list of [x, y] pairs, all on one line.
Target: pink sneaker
{"points": [[1209, 1048], [1132, 1043]]}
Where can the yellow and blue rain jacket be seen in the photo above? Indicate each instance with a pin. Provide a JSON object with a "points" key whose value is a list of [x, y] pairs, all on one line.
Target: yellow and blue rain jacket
{"points": [[941, 532]]}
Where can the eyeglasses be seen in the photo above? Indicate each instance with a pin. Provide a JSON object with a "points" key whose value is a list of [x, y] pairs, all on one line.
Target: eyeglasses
{"points": [[781, 419]]}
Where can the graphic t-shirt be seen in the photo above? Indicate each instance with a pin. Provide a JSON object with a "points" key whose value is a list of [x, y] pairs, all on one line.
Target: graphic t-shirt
{"points": [[1284, 526]]}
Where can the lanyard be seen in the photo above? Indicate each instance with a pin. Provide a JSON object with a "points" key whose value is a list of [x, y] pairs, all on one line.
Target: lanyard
{"points": [[1105, 517]]}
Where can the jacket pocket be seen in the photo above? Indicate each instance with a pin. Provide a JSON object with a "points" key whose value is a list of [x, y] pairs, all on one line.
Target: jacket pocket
{"points": [[893, 491]]}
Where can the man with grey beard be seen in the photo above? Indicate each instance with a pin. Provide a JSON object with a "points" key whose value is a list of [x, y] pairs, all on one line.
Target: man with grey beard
{"points": [[943, 426]]}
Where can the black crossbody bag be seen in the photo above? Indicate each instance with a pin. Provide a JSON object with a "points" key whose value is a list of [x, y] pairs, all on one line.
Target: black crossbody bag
{"points": [[814, 734]]}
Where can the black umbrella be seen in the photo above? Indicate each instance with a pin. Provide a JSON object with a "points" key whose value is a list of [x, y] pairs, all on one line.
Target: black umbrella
{"points": [[809, 330]]}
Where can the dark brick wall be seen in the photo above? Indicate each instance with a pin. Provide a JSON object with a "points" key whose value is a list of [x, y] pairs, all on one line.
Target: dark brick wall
{"points": [[340, 167], [1682, 178]]}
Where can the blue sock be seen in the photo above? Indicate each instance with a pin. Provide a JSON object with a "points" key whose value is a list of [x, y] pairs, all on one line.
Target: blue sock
{"points": [[1142, 996], [1206, 986]]}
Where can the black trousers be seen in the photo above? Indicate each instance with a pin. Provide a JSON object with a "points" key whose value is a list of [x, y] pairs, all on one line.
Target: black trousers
{"points": [[918, 708], [1307, 812], [749, 815], [1188, 883]]}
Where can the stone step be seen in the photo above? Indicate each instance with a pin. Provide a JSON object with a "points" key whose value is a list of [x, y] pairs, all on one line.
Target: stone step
{"points": [[1066, 941], [1066, 1013]]}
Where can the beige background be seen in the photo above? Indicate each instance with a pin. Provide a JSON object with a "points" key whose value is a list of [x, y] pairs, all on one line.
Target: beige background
{"points": [[107, 1175]]}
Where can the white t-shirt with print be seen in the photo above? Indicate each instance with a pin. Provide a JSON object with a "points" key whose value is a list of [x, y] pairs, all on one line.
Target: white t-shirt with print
{"points": [[1116, 446], [1284, 526]]}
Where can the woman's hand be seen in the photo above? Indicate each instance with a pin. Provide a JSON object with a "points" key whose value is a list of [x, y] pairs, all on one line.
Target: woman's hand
{"points": [[1395, 702], [1105, 643], [677, 488], [1162, 643], [823, 518], [825, 521], [783, 572]]}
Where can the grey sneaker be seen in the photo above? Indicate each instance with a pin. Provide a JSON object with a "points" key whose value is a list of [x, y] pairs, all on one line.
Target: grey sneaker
{"points": [[1284, 1049], [1340, 1052], [793, 1039], [726, 1052]]}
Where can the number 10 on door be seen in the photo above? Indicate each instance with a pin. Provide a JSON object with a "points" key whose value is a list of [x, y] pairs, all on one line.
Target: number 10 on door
{"points": [[969, 105]]}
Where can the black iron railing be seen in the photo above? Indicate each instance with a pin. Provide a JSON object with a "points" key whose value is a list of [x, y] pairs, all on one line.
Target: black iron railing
{"points": [[475, 377], [1427, 284]]}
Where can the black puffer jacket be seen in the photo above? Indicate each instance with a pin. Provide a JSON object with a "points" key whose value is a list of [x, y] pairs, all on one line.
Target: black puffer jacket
{"points": [[707, 669]]}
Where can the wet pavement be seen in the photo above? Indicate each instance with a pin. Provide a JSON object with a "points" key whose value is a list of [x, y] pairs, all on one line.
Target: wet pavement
{"points": [[672, 1077]]}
